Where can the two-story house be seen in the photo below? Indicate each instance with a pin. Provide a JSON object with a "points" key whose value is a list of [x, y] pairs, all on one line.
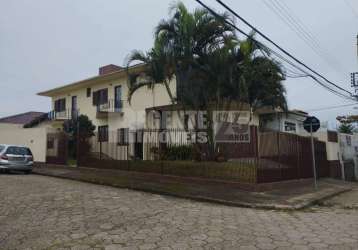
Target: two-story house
{"points": [[104, 99]]}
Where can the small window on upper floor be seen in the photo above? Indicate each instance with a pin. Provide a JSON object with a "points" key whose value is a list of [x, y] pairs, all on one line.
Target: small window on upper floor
{"points": [[290, 127], [89, 91], [349, 140]]}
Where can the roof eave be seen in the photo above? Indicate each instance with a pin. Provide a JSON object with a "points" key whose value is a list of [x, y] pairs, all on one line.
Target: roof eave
{"points": [[89, 81]]}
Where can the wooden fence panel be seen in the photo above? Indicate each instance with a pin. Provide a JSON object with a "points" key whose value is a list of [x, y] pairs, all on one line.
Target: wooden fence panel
{"points": [[284, 156]]}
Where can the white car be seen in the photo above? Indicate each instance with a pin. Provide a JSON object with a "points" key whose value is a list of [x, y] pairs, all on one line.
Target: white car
{"points": [[17, 158]]}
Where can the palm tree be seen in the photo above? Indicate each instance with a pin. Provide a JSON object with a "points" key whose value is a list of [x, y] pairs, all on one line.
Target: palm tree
{"points": [[180, 42], [261, 77], [346, 128], [210, 64], [159, 69]]}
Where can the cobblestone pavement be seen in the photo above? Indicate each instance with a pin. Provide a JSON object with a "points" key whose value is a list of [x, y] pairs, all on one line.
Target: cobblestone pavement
{"points": [[347, 200], [39, 212]]}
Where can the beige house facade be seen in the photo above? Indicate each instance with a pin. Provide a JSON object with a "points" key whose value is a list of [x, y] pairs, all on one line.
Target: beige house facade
{"points": [[104, 99]]}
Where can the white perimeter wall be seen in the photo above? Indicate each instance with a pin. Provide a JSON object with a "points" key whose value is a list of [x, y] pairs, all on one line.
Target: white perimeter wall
{"points": [[34, 138]]}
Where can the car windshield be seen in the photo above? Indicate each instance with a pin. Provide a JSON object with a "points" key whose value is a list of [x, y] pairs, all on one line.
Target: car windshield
{"points": [[1, 148], [18, 151]]}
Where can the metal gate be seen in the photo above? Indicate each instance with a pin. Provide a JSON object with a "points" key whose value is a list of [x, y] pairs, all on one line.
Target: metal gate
{"points": [[57, 148]]}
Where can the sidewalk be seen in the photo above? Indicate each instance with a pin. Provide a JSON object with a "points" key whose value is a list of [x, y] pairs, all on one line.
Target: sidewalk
{"points": [[289, 196]]}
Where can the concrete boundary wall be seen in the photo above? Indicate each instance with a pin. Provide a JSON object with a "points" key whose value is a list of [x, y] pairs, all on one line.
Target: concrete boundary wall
{"points": [[34, 138]]}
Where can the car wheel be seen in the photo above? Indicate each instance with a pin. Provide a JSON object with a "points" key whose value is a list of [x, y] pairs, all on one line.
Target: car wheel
{"points": [[28, 171]]}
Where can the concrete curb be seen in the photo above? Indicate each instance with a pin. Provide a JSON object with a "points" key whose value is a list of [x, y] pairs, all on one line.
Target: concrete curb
{"points": [[278, 207]]}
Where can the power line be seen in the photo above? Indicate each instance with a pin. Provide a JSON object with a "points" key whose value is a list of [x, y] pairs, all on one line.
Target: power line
{"points": [[350, 6], [332, 107], [311, 76], [278, 55], [278, 46], [298, 27]]}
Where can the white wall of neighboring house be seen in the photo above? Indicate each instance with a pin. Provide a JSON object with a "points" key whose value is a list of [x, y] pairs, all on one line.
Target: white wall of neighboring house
{"points": [[349, 149], [280, 121], [286, 122], [332, 148], [34, 138], [349, 146]]}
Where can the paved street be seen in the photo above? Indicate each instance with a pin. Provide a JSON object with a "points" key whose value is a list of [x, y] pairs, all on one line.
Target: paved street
{"points": [[39, 212]]}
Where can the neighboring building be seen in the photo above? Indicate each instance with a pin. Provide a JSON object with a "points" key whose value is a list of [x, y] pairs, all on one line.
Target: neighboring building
{"points": [[349, 155], [292, 122], [288, 122], [27, 129]]}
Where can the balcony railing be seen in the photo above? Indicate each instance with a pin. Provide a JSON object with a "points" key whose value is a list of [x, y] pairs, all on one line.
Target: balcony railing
{"points": [[63, 115], [111, 106]]}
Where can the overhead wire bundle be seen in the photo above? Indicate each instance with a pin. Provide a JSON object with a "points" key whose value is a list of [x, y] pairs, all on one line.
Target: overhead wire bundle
{"points": [[303, 70]]}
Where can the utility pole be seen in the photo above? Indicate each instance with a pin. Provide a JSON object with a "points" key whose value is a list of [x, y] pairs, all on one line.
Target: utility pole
{"points": [[313, 157], [354, 76], [78, 141], [357, 46]]}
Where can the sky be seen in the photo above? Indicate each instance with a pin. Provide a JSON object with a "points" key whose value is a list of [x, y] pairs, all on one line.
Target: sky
{"points": [[45, 44]]}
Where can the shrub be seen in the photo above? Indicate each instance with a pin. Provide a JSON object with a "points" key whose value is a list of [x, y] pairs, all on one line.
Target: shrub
{"points": [[178, 153]]}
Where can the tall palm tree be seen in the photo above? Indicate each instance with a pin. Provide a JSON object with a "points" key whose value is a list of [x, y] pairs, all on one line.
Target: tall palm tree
{"points": [[180, 42], [261, 77], [159, 69], [210, 64]]}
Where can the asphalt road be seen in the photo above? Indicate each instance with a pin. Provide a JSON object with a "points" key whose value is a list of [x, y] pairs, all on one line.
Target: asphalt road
{"points": [[38, 212]]}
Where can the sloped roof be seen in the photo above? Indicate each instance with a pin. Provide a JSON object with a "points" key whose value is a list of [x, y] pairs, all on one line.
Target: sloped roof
{"points": [[23, 118], [92, 80]]}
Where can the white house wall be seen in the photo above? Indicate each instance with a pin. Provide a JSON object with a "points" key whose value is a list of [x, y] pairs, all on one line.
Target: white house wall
{"points": [[332, 148], [34, 138]]}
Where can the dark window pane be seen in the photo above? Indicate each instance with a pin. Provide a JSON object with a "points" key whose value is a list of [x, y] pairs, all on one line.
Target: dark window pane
{"points": [[123, 136], [95, 98], [88, 92], [60, 105], [18, 151], [103, 133]]}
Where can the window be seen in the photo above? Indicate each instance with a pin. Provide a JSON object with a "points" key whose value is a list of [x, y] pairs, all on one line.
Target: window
{"points": [[1, 148], [50, 143], [118, 97], [163, 120], [332, 136], [100, 97], [88, 92], [123, 136], [349, 140], [60, 105], [103, 133], [290, 127], [18, 151]]}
